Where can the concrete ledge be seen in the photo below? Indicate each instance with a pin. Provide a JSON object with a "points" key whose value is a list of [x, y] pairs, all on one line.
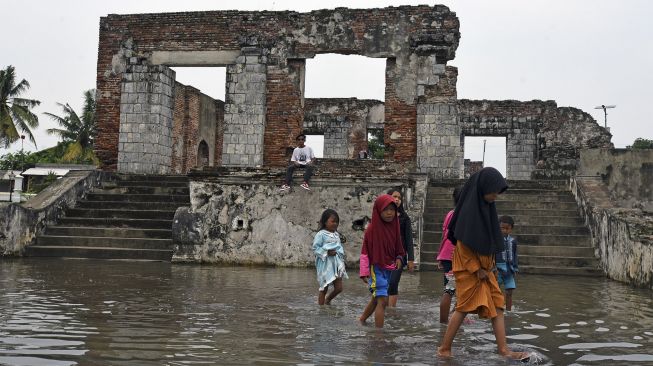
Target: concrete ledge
{"points": [[622, 237], [243, 218]]}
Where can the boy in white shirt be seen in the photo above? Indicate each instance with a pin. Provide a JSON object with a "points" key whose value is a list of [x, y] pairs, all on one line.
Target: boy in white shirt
{"points": [[302, 157]]}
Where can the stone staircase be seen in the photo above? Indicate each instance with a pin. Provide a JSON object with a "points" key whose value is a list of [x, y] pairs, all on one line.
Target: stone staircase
{"points": [[128, 218], [551, 234]]}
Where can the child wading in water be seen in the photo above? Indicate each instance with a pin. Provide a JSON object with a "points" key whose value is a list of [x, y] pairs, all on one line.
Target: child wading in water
{"points": [[444, 263], [507, 263], [474, 227], [406, 230], [329, 257], [382, 252]]}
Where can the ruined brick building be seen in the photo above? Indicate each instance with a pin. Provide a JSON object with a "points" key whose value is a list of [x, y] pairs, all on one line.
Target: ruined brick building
{"points": [[149, 123]]}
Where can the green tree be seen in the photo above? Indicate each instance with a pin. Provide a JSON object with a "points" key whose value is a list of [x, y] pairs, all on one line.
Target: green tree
{"points": [[77, 133], [641, 143], [15, 114], [375, 143]]}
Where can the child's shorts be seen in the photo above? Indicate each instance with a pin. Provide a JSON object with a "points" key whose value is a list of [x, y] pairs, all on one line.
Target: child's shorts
{"points": [[449, 279], [379, 279], [505, 277]]}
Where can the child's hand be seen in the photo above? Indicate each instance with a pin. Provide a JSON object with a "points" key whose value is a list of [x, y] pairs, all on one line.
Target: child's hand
{"points": [[365, 279], [481, 274], [331, 252], [438, 264]]}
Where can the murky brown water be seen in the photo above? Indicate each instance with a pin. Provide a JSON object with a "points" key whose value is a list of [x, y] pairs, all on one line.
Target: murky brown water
{"points": [[68, 312]]}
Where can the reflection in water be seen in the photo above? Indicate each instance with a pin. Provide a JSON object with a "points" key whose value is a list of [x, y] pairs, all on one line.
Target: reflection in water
{"points": [[80, 312]]}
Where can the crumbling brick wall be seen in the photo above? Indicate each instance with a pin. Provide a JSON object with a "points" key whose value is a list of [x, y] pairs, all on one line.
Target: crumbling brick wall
{"points": [[343, 122], [196, 118], [417, 41]]}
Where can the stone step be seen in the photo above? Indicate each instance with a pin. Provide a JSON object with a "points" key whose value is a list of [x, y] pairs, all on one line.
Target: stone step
{"points": [[156, 178], [121, 214], [104, 242], [565, 271], [115, 222], [109, 232], [128, 205], [146, 183], [522, 222], [550, 239], [145, 190], [427, 256], [554, 250], [182, 199], [98, 253], [446, 204], [431, 266], [430, 250], [536, 192], [441, 212], [554, 261]]}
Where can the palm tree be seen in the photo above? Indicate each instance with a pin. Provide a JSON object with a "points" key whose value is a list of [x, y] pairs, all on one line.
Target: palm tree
{"points": [[77, 133], [15, 114]]}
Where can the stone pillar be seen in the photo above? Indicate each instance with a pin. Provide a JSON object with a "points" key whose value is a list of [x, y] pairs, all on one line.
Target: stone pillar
{"points": [[18, 189], [244, 110], [336, 138], [439, 148], [521, 152], [146, 107]]}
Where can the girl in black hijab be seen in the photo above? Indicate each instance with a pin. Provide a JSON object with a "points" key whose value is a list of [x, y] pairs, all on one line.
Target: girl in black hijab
{"points": [[474, 227]]}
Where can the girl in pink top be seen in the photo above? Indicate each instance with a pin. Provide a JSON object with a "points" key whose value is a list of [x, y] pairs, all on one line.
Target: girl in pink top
{"points": [[444, 263]]}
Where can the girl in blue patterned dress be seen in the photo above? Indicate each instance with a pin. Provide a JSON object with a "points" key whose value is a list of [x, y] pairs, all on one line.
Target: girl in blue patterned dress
{"points": [[329, 257]]}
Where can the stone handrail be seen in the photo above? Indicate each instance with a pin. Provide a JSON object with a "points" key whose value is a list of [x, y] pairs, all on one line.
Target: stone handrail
{"points": [[20, 223]]}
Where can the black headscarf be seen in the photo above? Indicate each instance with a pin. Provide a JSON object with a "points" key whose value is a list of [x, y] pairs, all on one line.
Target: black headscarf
{"points": [[475, 221]]}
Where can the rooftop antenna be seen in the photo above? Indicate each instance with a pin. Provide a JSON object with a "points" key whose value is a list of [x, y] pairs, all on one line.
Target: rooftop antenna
{"points": [[605, 112]]}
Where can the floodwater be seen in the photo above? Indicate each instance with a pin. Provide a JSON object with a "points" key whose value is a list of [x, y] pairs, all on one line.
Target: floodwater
{"points": [[84, 312]]}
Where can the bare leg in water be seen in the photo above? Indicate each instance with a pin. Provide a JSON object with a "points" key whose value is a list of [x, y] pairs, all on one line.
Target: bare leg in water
{"points": [[499, 326], [445, 305], [337, 288]]}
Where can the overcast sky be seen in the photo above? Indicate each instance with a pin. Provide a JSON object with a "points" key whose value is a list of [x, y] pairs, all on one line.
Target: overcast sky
{"points": [[580, 53]]}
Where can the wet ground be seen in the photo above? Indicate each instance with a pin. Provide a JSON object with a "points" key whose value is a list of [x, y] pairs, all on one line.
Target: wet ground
{"points": [[80, 312]]}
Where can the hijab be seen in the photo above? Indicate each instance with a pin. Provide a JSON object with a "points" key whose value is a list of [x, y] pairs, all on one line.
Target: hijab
{"points": [[382, 240], [475, 221]]}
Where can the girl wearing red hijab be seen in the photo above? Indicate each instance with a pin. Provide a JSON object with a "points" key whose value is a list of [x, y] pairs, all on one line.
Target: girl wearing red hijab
{"points": [[382, 252]]}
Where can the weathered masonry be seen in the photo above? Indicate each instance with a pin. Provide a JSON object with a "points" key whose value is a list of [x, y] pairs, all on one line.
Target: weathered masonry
{"points": [[149, 123]]}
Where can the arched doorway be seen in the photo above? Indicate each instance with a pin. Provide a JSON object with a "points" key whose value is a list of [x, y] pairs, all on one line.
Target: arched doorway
{"points": [[202, 154]]}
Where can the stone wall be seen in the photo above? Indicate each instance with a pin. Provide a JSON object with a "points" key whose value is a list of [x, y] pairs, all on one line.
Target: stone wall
{"points": [[542, 139], [20, 223], [240, 217], [628, 174], [343, 122], [613, 190], [265, 56]]}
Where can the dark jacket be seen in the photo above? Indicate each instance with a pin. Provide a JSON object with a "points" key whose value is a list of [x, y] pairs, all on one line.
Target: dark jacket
{"points": [[406, 235]]}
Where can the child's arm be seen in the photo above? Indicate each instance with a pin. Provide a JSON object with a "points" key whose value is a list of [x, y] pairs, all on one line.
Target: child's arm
{"points": [[514, 256], [410, 250], [364, 271], [318, 242]]}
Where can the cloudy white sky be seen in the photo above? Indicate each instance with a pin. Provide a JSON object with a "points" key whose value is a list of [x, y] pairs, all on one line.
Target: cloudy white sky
{"points": [[580, 53]]}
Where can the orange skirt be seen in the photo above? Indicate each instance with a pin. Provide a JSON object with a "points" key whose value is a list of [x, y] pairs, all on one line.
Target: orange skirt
{"points": [[482, 297]]}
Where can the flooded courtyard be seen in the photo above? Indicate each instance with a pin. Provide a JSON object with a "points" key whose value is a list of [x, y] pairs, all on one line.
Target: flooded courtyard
{"points": [[83, 312]]}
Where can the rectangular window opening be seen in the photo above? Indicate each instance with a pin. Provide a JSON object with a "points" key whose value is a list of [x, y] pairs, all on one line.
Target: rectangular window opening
{"points": [[485, 151]]}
